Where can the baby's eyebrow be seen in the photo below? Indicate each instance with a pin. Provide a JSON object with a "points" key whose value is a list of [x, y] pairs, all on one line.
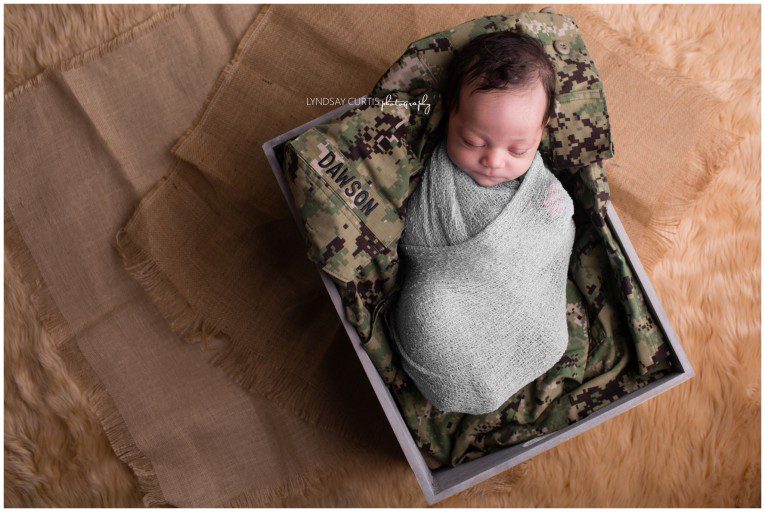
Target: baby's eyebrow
{"points": [[483, 136], [476, 132]]}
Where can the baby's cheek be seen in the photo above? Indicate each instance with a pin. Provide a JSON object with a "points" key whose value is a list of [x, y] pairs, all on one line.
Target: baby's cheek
{"points": [[458, 155]]}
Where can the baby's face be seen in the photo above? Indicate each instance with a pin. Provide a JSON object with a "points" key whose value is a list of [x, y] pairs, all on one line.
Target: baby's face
{"points": [[495, 134]]}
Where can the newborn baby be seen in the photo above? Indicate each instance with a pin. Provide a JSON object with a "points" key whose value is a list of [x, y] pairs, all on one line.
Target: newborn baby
{"points": [[488, 237]]}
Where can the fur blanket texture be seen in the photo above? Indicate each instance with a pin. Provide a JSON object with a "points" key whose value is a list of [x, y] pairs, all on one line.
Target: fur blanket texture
{"points": [[697, 445]]}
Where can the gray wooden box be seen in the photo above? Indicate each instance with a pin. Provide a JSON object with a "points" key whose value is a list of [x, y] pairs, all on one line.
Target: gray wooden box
{"points": [[443, 482]]}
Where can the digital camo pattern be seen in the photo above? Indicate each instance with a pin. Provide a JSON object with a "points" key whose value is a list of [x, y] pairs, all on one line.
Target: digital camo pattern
{"points": [[349, 179], [614, 345], [580, 132]]}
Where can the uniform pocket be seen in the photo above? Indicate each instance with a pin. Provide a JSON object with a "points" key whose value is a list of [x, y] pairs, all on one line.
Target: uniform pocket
{"points": [[350, 178], [348, 220], [580, 132]]}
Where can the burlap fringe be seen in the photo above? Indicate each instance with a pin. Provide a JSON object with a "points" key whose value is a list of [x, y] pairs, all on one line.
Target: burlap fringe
{"points": [[709, 152], [249, 371], [257, 376], [54, 322], [109, 417], [182, 319], [300, 488], [240, 363], [245, 367], [228, 71], [709, 158], [97, 51]]}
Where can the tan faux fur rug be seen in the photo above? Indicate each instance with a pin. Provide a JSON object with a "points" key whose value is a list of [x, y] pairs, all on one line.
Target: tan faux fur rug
{"points": [[658, 455]]}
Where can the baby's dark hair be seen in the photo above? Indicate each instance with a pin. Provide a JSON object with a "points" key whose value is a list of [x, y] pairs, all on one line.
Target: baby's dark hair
{"points": [[505, 60]]}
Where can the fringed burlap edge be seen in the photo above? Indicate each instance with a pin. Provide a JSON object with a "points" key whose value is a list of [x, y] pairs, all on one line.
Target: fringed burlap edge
{"points": [[302, 488], [228, 72], [181, 318], [98, 51], [109, 417], [65, 340], [708, 160], [708, 154], [240, 363], [245, 367], [48, 313]]}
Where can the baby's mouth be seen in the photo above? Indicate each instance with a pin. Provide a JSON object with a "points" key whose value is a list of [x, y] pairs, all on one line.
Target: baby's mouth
{"points": [[488, 173]]}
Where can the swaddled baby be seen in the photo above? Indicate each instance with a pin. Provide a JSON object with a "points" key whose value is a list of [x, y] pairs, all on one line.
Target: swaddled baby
{"points": [[488, 236]]}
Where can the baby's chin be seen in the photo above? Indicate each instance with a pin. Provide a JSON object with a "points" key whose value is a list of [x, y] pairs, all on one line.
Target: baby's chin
{"points": [[486, 181]]}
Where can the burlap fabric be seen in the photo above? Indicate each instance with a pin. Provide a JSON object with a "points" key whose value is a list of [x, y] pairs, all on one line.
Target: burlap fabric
{"points": [[83, 145], [213, 242]]}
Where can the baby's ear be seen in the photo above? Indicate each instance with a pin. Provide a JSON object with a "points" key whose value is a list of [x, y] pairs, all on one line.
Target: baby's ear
{"points": [[546, 129]]}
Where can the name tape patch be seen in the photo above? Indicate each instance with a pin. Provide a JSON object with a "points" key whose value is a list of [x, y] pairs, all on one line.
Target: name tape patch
{"points": [[349, 185], [358, 193]]}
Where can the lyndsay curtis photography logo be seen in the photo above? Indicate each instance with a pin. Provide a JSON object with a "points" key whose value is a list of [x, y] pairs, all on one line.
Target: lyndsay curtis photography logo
{"points": [[421, 105]]}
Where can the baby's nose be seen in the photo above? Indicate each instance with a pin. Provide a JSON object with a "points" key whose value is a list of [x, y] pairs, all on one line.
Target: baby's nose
{"points": [[492, 164], [492, 161]]}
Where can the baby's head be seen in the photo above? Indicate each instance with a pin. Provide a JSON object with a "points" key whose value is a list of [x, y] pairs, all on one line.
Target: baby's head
{"points": [[500, 95]]}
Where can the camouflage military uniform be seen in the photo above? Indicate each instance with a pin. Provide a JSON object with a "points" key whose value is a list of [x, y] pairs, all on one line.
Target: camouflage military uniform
{"points": [[351, 177]]}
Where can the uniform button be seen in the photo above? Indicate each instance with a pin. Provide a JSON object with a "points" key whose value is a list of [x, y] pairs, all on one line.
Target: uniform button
{"points": [[562, 47], [547, 9]]}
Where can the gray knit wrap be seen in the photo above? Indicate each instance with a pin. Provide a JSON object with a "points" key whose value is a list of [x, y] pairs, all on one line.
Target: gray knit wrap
{"points": [[482, 307]]}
